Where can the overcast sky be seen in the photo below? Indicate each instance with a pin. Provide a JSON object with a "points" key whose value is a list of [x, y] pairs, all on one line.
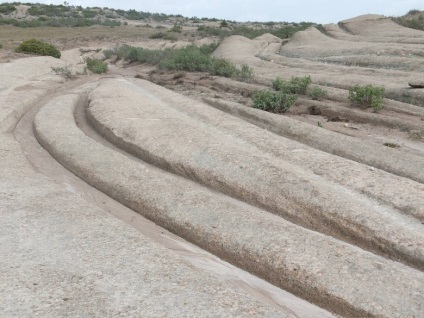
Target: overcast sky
{"points": [[320, 11]]}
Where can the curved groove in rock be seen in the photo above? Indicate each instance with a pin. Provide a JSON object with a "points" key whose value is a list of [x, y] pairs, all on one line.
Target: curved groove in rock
{"points": [[304, 262], [148, 127], [392, 161]]}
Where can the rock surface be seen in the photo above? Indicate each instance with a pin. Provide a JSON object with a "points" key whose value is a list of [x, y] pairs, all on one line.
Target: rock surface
{"points": [[416, 84]]}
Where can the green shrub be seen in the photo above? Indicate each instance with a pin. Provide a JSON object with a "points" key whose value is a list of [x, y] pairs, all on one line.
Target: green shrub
{"points": [[96, 66], [1, 46], [317, 93], [189, 59], [245, 74], [38, 47], [277, 102], [222, 67], [297, 85], [367, 96]]}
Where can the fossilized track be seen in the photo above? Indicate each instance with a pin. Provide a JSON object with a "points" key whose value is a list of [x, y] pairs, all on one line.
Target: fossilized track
{"points": [[348, 238]]}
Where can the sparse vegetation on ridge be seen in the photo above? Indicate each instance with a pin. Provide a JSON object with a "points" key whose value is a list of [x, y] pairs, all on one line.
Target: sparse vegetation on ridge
{"points": [[248, 32], [414, 19], [66, 15], [190, 58]]}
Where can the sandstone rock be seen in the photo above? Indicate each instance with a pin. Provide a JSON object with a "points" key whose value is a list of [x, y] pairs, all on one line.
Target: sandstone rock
{"points": [[416, 84]]}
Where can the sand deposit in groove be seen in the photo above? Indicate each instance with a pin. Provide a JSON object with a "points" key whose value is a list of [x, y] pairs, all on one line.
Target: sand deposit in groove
{"points": [[311, 265], [233, 167]]}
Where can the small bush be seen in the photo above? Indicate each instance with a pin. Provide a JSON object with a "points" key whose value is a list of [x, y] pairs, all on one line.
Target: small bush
{"points": [[222, 67], [176, 28], [245, 74], [64, 71], [171, 38], [96, 66], [158, 35], [317, 93], [224, 24], [297, 85], [189, 59], [277, 102], [367, 96], [38, 47], [1, 46]]}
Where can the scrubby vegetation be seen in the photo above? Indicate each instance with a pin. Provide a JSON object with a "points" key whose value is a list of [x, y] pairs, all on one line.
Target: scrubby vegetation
{"points": [[285, 94], [38, 47], [67, 71], [66, 15], [58, 22], [69, 15], [7, 8], [367, 96], [317, 93], [190, 58], [163, 35], [297, 85], [276, 102], [413, 19], [284, 32], [96, 66], [176, 28]]}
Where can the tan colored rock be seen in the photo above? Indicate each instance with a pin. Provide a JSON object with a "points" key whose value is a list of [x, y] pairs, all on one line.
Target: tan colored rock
{"points": [[416, 84]]}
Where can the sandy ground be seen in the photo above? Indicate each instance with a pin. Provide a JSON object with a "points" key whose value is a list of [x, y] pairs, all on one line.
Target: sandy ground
{"points": [[338, 189]]}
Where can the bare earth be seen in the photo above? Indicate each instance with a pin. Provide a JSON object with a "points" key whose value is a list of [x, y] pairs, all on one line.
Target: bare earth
{"points": [[141, 193]]}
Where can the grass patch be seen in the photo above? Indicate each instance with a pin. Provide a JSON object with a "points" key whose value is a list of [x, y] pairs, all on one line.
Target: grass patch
{"points": [[38, 47]]}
